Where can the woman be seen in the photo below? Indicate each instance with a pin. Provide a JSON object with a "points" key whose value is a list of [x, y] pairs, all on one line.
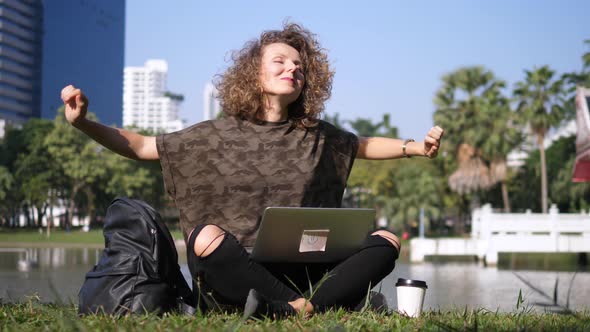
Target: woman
{"points": [[270, 149]]}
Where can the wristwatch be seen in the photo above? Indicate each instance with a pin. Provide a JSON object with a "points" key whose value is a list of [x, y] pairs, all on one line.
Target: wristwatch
{"points": [[404, 147]]}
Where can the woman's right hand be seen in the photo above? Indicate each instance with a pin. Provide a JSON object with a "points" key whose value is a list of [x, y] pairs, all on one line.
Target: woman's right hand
{"points": [[75, 102]]}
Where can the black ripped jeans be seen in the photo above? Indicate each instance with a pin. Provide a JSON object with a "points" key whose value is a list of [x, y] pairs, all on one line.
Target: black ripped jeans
{"points": [[223, 278]]}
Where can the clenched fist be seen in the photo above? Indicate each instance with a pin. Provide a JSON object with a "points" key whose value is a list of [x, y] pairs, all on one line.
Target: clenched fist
{"points": [[432, 141], [75, 102]]}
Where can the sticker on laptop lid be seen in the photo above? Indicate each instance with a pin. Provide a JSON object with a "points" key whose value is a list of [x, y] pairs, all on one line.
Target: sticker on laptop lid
{"points": [[314, 240]]}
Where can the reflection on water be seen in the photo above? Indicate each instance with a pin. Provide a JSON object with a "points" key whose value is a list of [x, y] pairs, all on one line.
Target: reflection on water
{"points": [[457, 285], [48, 258], [53, 274], [57, 274]]}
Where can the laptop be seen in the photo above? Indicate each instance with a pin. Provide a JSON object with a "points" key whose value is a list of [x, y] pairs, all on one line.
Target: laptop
{"points": [[311, 235]]}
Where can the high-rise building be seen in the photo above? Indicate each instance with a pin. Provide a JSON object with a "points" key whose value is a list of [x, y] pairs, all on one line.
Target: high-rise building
{"points": [[21, 34], [83, 45], [211, 105], [147, 103]]}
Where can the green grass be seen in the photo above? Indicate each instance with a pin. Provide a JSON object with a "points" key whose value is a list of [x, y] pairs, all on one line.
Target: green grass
{"points": [[34, 316], [58, 236]]}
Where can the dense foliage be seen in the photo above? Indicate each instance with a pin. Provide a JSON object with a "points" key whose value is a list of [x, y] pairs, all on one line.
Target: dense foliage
{"points": [[48, 163]]}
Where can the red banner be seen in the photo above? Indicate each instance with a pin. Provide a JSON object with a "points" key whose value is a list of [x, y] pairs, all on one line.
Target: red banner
{"points": [[582, 166]]}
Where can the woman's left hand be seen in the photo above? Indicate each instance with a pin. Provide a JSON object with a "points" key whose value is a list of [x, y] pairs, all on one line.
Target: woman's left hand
{"points": [[432, 141]]}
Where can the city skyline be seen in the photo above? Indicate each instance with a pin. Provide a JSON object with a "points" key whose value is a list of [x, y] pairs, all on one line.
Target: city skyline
{"points": [[147, 102], [388, 57]]}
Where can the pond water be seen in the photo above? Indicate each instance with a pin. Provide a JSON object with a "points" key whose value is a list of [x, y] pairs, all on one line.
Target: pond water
{"points": [[57, 274]]}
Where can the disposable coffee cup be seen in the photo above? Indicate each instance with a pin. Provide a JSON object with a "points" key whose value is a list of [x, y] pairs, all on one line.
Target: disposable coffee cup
{"points": [[410, 296]]}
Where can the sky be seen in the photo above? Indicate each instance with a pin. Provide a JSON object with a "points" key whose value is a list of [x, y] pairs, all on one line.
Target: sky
{"points": [[389, 56]]}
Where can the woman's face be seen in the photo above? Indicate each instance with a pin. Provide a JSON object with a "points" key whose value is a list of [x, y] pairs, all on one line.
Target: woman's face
{"points": [[281, 73]]}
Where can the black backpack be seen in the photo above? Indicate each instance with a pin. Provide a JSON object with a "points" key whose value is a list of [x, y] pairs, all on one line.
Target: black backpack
{"points": [[138, 271]]}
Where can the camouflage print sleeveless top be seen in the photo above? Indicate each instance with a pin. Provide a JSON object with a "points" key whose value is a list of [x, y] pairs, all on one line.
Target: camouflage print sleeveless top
{"points": [[227, 171]]}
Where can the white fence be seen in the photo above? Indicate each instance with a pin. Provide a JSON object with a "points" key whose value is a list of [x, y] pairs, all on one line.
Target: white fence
{"points": [[493, 233]]}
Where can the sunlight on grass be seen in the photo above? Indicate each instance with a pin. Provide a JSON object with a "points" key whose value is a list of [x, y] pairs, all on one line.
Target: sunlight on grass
{"points": [[32, 315]]}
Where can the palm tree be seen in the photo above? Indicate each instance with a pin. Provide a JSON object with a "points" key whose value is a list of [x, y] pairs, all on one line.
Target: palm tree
{"points": [[575, 80], [583, 77], [388, 129], [476, 117], [366, 127], [504, 135], [540, 105]]}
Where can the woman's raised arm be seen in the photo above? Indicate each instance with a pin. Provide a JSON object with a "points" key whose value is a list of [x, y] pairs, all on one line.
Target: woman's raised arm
{"points": [[121, 141], [379, 148]]}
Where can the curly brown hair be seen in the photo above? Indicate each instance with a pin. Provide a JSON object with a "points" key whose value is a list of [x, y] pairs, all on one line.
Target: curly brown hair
{"points": [[240, 90]]}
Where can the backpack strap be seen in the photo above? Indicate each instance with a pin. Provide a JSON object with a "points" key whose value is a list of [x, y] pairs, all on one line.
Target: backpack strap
{"points": [[185, 298], [187, 309]]}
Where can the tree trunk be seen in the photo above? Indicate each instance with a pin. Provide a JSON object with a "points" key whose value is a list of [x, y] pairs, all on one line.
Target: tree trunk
{"points": [[90, 197], [71, 206], [28, 215], [505, 196], [41, 210], [44, 207], [36, 216], [70, 213], [50, 220], [540, 139], [14, 214]]}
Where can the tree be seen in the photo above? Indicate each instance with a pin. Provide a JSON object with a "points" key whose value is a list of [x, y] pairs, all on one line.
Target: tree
{"points": [[417, 186], [581, 78], [568, 195], [471, 99], [6, 183], [504, 135], [387, 129], [370, 179], [79, 157], [174, 96], [540, 105], [574, 80], [365, 127], [398, 189], [12, 144], [35, 170], [132, 178]]}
